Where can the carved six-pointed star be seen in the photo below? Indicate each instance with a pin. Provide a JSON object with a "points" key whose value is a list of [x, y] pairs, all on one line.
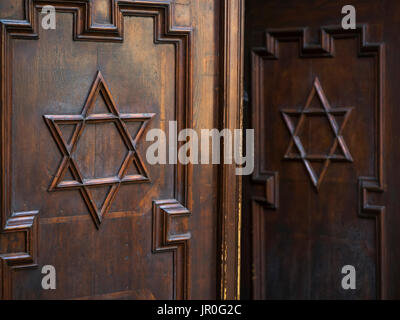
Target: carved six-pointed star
{"points": [[67, 148], [338, 143]]}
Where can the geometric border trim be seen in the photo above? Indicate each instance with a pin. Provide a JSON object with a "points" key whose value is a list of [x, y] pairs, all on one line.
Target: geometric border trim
{"points": [[165, 32], [326, 49], [268, 200], [164, 213], [25, 222]]}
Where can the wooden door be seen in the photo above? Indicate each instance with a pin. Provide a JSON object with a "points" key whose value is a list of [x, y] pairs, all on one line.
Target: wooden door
{"points": [[324, 105], [77, 191]]}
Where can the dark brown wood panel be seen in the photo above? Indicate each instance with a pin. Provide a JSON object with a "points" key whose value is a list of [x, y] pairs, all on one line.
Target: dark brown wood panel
{"points": [[322, 194]]}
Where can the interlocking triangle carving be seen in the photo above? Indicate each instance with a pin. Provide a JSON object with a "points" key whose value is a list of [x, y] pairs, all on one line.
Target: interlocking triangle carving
{"points": [[338, 142], [67, 148]]}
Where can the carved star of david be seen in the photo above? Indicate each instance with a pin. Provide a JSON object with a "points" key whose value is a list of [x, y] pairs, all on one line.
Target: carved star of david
{"points": [[67, 148], [338, 150]]}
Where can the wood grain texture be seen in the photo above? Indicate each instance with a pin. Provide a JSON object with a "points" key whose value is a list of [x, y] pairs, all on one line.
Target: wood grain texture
{"points": [[85, 30], [231, 66], [25, 222], [328, 34], [67, 148], [299, 246], [337, 150], [158, 59], [165, 213]]}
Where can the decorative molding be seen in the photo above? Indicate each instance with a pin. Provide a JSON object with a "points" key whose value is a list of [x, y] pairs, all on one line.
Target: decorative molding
{"points": [[231, 117], [25, 222], [165, 212], [68, 163], [85, 30], [368, 185], [338, 141], [162, 12], [266, 197], [326, 49], [270, 195]]}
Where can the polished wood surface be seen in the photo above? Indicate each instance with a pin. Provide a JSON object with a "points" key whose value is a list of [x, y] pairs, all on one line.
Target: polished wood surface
{"points": [[323, 195], [77, 192]]}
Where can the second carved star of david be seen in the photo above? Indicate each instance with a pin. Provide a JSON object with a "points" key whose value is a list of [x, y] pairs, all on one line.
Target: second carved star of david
{"points": [[338, 150], [68, 147]]}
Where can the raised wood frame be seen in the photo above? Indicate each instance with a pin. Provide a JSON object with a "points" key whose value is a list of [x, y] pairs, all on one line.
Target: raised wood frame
{"points": [[231, 25], [367, 186], [231, 116], [85, 30]]}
